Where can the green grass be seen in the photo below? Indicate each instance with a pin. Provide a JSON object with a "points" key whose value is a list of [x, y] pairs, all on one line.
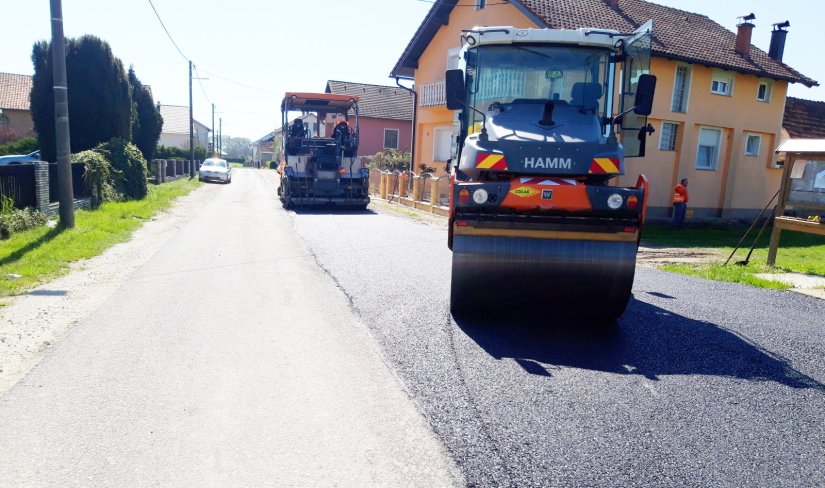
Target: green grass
{"points": [[798, 253], [42, 254], [236, 165]]}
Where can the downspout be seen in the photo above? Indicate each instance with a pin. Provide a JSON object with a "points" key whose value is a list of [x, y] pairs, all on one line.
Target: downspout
{"points": [[414, 119]]}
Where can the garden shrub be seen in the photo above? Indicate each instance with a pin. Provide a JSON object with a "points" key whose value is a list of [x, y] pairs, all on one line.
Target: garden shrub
{"points": [[13, 220], [129, 169], [97, 175], [24, 145]]}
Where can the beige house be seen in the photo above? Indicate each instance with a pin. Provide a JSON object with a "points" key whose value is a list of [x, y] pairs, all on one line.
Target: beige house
{"points": [[14, 102], [719, 100]]}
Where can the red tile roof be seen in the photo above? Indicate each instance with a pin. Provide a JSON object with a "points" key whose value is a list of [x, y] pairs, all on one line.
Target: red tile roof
{"points": [[678, 34], [14, 91], [804, 119]]}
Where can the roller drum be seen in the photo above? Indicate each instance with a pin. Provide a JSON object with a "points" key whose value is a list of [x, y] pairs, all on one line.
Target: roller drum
{"points": [[578, 278]]}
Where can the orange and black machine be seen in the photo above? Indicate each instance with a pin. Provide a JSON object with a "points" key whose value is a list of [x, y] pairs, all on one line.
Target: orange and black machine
{"points": [[534, 219]]}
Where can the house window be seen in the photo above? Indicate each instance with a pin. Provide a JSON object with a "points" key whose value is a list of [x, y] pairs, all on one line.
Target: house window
{"points": [[763, 92], [752, 145], [442, 144], [480, 4], [4, 121], [707, 156], [667, 139], [722, 83], [680, 89], [390, 138]]}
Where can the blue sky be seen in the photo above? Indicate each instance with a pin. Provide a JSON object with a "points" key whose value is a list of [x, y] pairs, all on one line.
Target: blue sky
{"points": [[272, 46]]}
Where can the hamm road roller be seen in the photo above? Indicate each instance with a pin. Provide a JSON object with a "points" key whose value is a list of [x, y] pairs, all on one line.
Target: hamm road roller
{"points": [[544, 121]]}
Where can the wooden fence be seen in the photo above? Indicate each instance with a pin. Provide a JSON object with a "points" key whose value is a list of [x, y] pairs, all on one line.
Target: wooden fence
{"points": [[17, 181]]}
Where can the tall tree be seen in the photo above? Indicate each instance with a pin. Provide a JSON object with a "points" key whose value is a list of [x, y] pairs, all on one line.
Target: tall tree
{"points": [[100, 106], [148, 123]]}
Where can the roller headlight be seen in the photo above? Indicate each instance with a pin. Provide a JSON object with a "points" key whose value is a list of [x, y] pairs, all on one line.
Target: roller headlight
{"points": [[615, 201], [480, 196]]}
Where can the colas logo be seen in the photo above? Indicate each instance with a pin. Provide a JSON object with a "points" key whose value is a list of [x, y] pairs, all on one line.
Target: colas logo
{"points": [[524, 191]]}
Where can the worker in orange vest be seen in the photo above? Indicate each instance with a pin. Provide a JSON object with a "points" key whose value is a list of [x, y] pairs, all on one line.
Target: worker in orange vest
{"points": [[680, 200]]}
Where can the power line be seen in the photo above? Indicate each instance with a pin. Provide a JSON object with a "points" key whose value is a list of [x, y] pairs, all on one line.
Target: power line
{"points": [[198, 77], [166, 30], [239, 83]]}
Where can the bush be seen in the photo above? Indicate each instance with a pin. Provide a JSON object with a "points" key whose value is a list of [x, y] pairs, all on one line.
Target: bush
{"points": [[164, 152], [129, 170], [273, 165], [98, 177], [390, 159], [25, 145], [19, 220]]}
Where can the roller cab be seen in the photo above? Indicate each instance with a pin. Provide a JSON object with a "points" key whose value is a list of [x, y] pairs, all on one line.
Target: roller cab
{"points": [[541, 129]]}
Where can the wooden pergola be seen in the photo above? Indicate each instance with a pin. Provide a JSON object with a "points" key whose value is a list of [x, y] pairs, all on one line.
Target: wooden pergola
{"points": [[801, 189]]}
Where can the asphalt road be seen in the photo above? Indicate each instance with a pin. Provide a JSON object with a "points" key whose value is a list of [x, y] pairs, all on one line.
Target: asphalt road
{"points": [[699, 384], [227, 359]]}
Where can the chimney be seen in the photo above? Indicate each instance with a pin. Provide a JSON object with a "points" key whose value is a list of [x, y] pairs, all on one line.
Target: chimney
{"points": [[743, 35], [778, 35]]}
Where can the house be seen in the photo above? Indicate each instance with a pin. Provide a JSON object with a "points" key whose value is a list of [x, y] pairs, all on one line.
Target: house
{"points": [[15, 112], [717, 112], [804, 119], [264, 150], [175, 131], [385, 115]]}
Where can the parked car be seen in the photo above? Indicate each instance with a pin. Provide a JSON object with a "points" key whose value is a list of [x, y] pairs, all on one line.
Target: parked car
{"points": [[20, 158], [215, 169]]}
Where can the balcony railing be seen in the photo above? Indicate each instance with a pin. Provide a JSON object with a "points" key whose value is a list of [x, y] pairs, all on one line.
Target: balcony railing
{"points": [[432, 94]]}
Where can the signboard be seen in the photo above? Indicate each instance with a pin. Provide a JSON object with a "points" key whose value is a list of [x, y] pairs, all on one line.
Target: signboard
{"points": [[808, 188]]}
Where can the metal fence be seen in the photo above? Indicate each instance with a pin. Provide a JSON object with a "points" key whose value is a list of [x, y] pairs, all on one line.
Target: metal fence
{"points": [[17, 181], [78, 185]]}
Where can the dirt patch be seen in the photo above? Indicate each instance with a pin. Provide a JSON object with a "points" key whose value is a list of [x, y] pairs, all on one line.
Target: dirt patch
{"points": [[654, 256]]}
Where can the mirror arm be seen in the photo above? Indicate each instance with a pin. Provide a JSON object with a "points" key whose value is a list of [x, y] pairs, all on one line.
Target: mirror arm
{"points": [[483, 135]]}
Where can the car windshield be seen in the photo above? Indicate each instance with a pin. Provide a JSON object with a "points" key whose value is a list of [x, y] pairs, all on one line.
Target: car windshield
{"points": [[215, 163]]}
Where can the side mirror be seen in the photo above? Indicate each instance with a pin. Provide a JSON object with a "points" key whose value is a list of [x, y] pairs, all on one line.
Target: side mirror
{"points": [[454, 86], [645, 88]]}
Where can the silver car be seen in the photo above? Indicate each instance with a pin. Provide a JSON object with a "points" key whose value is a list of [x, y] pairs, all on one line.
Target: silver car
{"points": [[214, 169], [20, 158]]}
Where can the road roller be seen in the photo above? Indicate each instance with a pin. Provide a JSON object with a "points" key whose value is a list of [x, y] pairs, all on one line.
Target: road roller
{"points": [[544, 119]]}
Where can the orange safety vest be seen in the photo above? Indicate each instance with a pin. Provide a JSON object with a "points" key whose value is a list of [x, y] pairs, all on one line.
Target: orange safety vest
{"points": [[680, 194]]}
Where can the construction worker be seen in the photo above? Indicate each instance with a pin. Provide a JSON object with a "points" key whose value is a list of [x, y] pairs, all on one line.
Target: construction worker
{"points": [[680, 200]]}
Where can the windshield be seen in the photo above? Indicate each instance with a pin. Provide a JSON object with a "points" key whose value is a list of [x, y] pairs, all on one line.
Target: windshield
{"points": [[568, 75], [214, 163]]}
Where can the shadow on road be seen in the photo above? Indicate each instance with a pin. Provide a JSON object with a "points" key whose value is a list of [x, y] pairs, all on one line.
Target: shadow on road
{"points": [[333, 210], [647, 341]]}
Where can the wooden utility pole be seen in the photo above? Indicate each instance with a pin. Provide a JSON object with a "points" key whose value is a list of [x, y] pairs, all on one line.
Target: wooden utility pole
{"points": [[61, 118], [213, 129]]}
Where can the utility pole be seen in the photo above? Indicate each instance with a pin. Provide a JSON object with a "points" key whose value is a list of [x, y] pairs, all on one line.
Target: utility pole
{"points": [[220, 135], [213, 129], [61, 118], [191, 128]]}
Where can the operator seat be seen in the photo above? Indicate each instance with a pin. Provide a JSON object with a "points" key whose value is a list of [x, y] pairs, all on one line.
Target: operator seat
{"points": [[586, 96]]}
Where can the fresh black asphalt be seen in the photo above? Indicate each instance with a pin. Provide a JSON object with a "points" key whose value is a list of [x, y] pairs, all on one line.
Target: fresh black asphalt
{"points": [[699, 384]]}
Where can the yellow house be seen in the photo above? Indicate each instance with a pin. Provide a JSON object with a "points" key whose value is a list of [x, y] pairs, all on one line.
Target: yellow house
{"points": [[717, 112], [14, 103]]}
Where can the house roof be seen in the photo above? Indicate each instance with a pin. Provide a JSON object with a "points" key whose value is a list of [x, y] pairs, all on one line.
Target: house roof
{"points": [[267, 138], [176, 119], [677, 34], [378, 101], [14, 91], [804, 119]]}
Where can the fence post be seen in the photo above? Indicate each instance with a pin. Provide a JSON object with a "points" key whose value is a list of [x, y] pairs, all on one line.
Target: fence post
{"points": [[416, 188], [382, 186], [435, 192], [41, 185], [402, 185]]}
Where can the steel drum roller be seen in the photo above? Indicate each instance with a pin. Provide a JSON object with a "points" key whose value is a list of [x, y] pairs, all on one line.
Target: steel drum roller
{"points": [[563, 277]]}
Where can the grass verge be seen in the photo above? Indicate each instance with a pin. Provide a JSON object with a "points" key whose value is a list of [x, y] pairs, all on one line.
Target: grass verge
{"points": [[798, 253], [42, 254]]}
